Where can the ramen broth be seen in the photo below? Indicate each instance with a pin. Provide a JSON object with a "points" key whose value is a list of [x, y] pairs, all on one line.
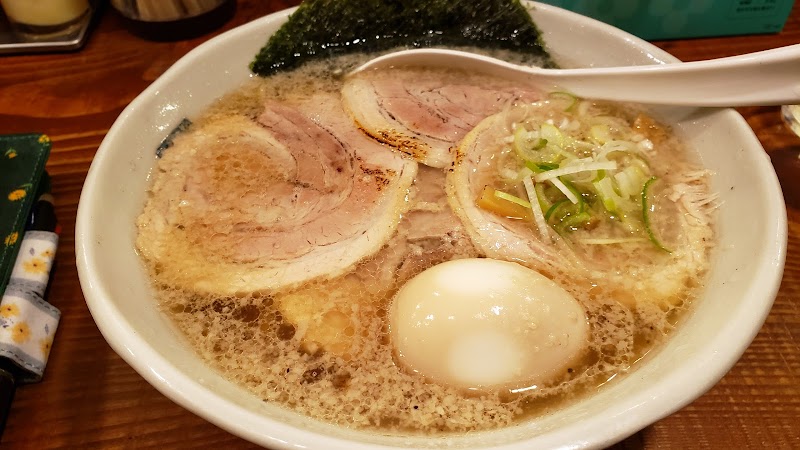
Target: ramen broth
{"points": [[323, 348]]}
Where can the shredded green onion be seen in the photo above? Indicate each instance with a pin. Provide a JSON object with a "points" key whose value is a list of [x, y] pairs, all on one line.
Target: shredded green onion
{"points": [[538, 216], [611, 241], [540, 167], [544, 202], [551, 134], [589, 170], [647, 208], [555, 207], [564, 189], [600, 133], [512, 198], [570, 99], [575, 168], [526, 143]]}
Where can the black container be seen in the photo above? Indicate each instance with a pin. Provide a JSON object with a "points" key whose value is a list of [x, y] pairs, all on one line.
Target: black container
{"points": [[187, 26]]}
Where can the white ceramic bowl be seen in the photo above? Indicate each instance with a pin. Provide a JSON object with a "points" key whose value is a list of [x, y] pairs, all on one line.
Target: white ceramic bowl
{"points": [[741, 288]]}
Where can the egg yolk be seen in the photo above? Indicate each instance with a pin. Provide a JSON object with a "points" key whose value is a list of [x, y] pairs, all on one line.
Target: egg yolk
{"points": [[484, 323]]}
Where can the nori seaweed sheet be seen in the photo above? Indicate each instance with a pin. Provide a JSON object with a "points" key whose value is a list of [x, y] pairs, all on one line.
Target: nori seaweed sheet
{"points": [[325, 28]]}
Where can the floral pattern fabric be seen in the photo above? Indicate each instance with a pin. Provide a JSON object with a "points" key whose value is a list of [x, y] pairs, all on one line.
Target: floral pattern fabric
{"points": [[27, 322], [22, 161]]}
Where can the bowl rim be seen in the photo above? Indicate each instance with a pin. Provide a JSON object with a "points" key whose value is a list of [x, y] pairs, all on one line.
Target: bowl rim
{"points": [[190, 394]]}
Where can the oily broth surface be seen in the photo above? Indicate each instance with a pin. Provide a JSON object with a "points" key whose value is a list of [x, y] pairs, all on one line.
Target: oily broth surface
{"points": [[250, 340]]}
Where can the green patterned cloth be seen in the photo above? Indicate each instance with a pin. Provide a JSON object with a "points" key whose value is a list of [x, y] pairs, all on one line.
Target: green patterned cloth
{"points": [[22, 161]]}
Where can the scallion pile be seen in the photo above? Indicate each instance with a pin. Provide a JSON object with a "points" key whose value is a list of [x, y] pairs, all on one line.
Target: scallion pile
{"points": [[583, 170]]}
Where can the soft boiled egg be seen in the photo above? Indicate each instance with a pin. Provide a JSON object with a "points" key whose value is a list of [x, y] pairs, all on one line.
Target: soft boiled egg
{"points": [[484, 323]]}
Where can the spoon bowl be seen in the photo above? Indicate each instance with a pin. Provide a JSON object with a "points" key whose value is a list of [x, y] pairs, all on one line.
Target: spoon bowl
{"points": [[770, 77]]}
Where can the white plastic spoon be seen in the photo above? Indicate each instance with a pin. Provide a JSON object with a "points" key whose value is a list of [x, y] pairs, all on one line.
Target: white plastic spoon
{"points": [[770, 77]]}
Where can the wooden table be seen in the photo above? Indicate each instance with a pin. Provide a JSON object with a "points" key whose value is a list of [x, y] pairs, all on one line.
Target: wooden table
{"points": [[90, 398]]}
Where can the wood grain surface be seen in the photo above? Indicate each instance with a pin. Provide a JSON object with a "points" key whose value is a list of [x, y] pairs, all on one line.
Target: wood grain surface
{"points": [[90, 398]]}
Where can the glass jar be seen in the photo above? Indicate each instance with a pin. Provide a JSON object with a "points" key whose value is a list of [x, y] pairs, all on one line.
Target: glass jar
{"points": [[46, 20]]}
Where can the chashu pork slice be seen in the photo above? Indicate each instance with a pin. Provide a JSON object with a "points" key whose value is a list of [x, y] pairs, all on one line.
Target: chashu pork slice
{"points": [[241, 205], [424, 113], [496, 236], [634, 275]]}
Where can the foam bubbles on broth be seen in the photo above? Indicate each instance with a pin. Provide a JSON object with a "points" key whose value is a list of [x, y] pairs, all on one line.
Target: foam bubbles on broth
{"points": [[351, 378]]}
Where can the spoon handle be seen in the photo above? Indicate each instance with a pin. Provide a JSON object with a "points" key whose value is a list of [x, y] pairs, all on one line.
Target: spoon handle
{"points": [[770, 77]]}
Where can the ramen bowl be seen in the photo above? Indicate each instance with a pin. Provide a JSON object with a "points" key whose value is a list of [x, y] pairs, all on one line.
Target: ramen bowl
{"points": [[746, 268]]}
